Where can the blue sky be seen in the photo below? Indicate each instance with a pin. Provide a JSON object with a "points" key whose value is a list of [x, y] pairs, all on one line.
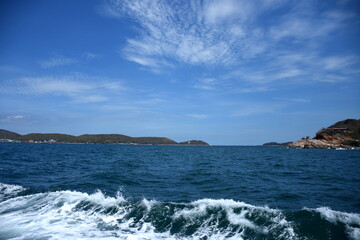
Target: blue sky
{"points": [[234, 72]]}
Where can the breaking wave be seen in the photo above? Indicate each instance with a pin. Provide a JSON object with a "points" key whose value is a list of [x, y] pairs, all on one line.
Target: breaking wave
{"points": [[78, 215], [9, 190]]}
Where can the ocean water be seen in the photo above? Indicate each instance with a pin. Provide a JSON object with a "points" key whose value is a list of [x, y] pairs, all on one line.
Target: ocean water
{"points": [[69, 191]]}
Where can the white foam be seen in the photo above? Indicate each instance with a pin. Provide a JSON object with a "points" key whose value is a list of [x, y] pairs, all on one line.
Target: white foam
{"points": [[76, 215], [200, 208], [9, 190], [350, 220], [148, 204]]}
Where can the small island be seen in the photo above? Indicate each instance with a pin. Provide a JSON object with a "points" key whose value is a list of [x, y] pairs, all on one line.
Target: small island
{"points": [[8, 136]]}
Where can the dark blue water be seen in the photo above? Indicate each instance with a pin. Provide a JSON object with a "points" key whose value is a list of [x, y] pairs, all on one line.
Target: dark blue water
{"points": [[60, 191]]}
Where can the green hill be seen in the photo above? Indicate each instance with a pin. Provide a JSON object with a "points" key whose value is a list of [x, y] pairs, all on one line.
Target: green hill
{"points": [[102, 138], [154, 140], [194, 142], [93, 138], [4, 134], [46, 137]]}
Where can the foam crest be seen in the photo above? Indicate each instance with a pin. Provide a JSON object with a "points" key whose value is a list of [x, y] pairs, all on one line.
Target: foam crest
{"points": [[9, 190], [77, 215], [240, 216], [350, 220], [63, 214]]}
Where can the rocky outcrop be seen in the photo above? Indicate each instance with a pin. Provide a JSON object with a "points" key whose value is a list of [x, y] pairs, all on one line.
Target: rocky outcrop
{"points": [[320, 143], [343, 134]]}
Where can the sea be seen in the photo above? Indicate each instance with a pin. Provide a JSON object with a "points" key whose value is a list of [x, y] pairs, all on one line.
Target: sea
{"points": [[95, 191]]}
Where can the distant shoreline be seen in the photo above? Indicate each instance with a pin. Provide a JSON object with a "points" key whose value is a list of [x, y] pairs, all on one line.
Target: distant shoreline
{"points": [[8, 136]]}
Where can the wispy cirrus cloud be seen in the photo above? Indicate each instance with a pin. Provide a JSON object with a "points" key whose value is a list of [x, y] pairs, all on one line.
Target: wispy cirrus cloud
{"points": [[77, 87], [57, 61], [185, 31], [299, 23], [60, 61], [232, 33], [15, 117], [91, 56], [294, 100], [11, 118], [206, 83], [215, 32], [198, 116]]}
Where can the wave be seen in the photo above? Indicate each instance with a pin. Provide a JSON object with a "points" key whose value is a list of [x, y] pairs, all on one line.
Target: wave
{"points": [[77, 215], [9, 190], [350, 220]]}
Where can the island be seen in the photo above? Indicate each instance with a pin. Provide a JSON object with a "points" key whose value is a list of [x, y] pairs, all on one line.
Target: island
{"points": [[276, 144], [341, 135], [8, 136]]}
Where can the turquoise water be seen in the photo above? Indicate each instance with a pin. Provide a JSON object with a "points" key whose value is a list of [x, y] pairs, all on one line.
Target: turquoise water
{"points": [[60, 191]]}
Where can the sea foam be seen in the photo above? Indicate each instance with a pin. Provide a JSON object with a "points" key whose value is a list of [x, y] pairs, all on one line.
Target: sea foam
{"points": [[9, 190], [77, 215], [350, 220]]}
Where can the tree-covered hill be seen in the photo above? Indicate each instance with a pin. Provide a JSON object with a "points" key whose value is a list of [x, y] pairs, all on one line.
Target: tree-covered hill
{"points": [[93, 138]]}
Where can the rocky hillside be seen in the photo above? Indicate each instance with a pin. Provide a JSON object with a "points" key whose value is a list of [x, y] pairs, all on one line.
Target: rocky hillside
{"points": [[349, 128], [343, 134], [92, 138]]}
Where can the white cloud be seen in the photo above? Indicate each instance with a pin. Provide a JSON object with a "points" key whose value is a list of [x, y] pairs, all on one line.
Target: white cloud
{"points": [[91, 99], [91, 56], [206, 84], [11, 118], [80, 88], [236, 34], [251, 89], [306, 22], [15, 117], [215, 32], [298, 67], [198, 116], [57, 61], [295, 100], [338, 62], [188, 31], [219, 11]]}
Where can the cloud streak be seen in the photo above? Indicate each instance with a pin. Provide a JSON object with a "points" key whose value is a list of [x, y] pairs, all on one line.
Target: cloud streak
{"points": [[198, 116], [15, 117], [214, 32], [232, 33], [181, 31], [80, 88], [60, 61], [57, 61]]}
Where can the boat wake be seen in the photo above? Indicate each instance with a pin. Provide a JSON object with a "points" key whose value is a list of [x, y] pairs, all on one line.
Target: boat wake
{"points": [[77, 215]]}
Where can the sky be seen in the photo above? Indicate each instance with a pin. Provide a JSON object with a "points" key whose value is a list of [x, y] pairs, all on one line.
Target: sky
{"points": [[229, 72]]}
